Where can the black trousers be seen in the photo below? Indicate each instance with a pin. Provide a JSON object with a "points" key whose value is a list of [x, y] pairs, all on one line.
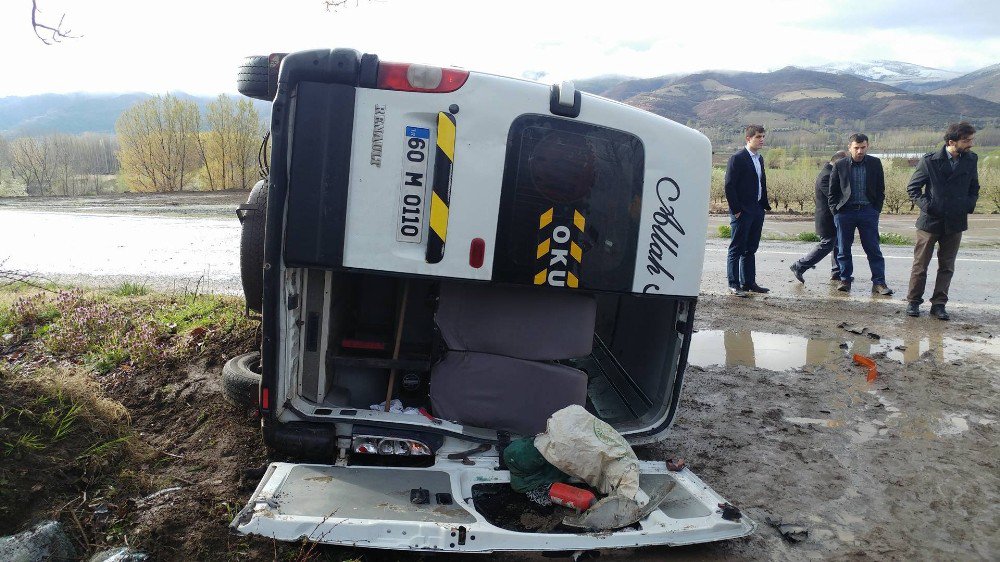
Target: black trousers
{"points": [[741, 264], [825, 247]]}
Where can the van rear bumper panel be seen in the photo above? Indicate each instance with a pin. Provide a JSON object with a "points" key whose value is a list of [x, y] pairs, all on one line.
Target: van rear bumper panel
{"points": [[372, 507]]}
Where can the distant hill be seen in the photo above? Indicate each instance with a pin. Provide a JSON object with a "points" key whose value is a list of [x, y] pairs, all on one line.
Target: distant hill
{"points": [[80, 113], [786, 97], [790, 99], [983, 83], [598, 84], [903, 75]]}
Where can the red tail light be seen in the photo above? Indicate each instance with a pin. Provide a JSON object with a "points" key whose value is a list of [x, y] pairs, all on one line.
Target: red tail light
{"points": [[477, 252], [419, 78], [265, 399]]}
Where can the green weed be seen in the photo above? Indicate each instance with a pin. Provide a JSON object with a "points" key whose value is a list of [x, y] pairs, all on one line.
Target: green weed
{"points": [[66, 422], [130, 289], [190, 312], [893, 239], [725, 231], [24, 442], [102, 448], [807, 237], [59, 415]]}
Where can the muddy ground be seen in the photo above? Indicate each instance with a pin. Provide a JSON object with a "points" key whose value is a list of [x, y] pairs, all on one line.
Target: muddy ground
{"points": [[903, 468]]}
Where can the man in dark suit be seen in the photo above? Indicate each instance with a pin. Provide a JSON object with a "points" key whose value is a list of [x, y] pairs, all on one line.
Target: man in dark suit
{"points": [[746, 193], [825, 227], [951, 179], [857, 191]]}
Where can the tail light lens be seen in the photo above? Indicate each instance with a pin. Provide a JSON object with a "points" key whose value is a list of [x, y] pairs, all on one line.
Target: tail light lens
{"points": [[477, 252], [419, 78], [388, 446]]}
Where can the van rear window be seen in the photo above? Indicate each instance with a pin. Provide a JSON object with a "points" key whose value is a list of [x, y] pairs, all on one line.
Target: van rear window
{"points": [[569, 215]]}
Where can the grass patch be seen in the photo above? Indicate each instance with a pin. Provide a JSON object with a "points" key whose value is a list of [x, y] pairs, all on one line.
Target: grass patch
{"points": [[807, 237], [130, 289], [725, 231], [195, 311], [893, 239], [122, 328]]}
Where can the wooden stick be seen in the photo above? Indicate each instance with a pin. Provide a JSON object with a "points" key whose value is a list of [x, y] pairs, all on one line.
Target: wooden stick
{"points": [[399, 336]]}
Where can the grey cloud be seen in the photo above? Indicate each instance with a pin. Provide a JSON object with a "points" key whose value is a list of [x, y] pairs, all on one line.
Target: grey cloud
{"points": [[959, 20]]}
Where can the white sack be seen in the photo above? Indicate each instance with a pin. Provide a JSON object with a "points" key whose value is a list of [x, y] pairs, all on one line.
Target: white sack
{"points": [[583, 446]]}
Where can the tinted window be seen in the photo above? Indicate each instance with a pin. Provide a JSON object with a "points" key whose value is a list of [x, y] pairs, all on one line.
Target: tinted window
{"points": [[583, 174]]}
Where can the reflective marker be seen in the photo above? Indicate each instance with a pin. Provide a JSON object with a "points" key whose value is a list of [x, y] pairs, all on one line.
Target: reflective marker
{"points": [[477, 252]]}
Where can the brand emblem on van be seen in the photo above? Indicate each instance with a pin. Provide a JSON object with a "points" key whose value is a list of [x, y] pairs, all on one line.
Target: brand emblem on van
{"points": [[378, 132], [558, 253]]}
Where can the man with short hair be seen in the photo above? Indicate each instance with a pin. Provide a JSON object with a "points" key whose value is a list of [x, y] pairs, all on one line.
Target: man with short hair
{"points": [[825, 227], [945, 186], [746, 193], [857, 191]]}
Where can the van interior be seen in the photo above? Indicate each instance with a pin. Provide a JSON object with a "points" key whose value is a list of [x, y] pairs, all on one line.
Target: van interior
{"points": [[500, 357]]}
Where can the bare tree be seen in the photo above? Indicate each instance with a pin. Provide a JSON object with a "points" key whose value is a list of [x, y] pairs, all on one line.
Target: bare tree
{"points": [[32, 163], [46, 32]]}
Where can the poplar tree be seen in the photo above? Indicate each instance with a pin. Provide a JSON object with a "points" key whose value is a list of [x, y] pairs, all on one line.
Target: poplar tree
{"points": [[158, 141]]}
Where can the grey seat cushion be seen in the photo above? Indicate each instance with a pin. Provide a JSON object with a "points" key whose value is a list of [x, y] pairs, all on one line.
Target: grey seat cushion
{"points": [[522, 322], [498, 392]]}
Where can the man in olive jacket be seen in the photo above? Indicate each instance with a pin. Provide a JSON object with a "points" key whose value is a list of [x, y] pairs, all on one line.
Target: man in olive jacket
{"points": [[825, 229], [945, 186], [857, 192]]}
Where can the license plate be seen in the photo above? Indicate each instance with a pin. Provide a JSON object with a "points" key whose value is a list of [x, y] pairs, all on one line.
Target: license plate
{"points": [[413, 186]]}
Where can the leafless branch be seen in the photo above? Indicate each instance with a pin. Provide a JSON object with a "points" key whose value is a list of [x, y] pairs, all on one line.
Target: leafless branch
{"points": [[12, 276], [47, 33], [334, 5], [337, 5]]}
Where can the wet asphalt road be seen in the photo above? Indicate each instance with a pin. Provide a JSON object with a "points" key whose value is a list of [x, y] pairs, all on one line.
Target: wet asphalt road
{"points": [[203, 254], [974, 284]]}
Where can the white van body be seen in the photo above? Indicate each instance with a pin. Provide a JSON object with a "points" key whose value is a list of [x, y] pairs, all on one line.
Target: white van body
{"points": [[484, 253]]}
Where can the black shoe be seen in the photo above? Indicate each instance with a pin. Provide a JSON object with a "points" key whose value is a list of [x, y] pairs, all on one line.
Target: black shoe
{"points": [[938, 311], [755, 288], [798, 273], [844, 286], [913, 309], [738, 292], [834, 279], [881, 290]]}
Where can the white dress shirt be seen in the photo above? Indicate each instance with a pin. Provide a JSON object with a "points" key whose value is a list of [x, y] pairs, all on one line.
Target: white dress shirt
{"points": [[756, 164]]}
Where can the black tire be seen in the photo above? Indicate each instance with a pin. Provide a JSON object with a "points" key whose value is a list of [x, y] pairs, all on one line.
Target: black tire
{"points": [[252, 216], [252, 78], [241, 380]]}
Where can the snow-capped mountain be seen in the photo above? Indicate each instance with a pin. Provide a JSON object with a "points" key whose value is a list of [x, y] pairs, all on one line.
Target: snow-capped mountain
{"points": [[907, 76]]}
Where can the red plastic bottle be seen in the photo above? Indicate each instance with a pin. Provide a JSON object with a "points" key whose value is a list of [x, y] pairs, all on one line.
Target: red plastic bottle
{"points": [[571, 496]]}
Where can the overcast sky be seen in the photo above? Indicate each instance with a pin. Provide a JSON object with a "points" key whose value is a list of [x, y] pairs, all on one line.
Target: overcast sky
{"points": [[195, 46]]}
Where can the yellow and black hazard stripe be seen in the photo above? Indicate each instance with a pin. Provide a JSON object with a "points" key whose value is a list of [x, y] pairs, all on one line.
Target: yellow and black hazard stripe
{"points": [[444, 163], [568, 276]]}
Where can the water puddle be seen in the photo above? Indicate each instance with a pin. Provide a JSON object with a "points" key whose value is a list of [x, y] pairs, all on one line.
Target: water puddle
{"points": [[781, 352]]}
